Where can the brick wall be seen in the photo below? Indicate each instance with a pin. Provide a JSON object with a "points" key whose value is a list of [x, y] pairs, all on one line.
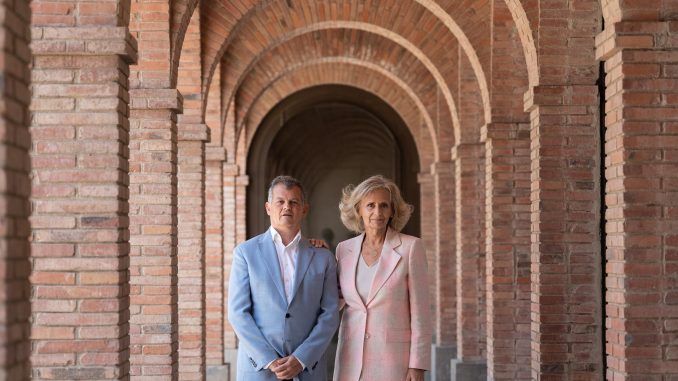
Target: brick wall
{"points": [[640, 167], [470, 230], [214, 256], [79, 248], [15, 188], [134, 217]]}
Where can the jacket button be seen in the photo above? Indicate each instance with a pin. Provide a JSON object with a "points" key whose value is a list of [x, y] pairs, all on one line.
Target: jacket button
{"points": [[367, 336], [287, 316]]}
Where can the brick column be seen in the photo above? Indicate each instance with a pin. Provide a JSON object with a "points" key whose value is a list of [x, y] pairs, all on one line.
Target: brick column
{"points": [[15, 143], [241, 183], [470, 230], [191, 249], [507, 208], [214, 262], [427, 201], [153, 233], [444, 268], [80, 131], [233, 215], [641, 138], [565, 254]]}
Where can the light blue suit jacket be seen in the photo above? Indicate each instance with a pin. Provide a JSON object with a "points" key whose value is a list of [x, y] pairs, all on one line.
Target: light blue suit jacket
{"points": [[267, 327]]}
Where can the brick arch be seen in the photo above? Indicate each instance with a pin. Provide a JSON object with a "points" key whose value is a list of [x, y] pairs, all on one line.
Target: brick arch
{"points": [[527, 39], [363, 75], [181, 14], [233, 82], [351, 45], [188, 76], [439, 24]]}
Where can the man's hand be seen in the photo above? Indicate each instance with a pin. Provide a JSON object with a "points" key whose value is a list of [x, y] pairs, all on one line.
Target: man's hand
{"points": [[286, 368], [415, 374], [318, 243]]}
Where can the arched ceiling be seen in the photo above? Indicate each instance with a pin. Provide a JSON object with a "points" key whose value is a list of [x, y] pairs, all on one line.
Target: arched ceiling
{"points": [[417, 45], [360, 75], [231, 29], [344, 46], [384, 47]]}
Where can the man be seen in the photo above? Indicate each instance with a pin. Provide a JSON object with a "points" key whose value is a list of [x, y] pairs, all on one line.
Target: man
{"points": [[282, 295]]}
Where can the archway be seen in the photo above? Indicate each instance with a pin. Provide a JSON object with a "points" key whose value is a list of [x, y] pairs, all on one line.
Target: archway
{"points": [[346, 134]]}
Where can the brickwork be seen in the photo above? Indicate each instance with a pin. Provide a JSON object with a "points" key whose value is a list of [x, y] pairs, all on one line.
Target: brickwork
{"points": [[507, 201], [354, 47], [119, 214], [640, 62], [153, 233], [428, 224], [230, 203], [508, 250], [191, 249], [470, 230], [237, 45], [565, 237], [444, 266], [79, 223], [214, 255], [189, 83], [565, 196], [15, 189], [369, 78]]}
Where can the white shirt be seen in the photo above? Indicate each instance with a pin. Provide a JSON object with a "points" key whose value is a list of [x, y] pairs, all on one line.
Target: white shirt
{"points": [[287, 258], [364, 277]]}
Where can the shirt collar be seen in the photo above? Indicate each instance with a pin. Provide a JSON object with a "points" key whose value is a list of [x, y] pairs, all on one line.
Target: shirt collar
{"points": [[278, 239]]}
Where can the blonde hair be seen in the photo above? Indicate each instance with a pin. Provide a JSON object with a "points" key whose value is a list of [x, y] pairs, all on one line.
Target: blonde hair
{"points": [[353, 195]]}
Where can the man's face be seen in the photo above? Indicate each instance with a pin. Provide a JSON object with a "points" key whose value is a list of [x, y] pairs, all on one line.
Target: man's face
{"points": [[285, 208]]}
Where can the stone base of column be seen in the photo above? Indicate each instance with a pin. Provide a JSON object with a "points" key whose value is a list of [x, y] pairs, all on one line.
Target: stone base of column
{"points": [[219, 373], [441, 355], [231, 361], [468, 370]]}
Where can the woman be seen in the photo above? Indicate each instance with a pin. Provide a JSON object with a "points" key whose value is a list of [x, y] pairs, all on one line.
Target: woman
{"points": [[385, 332]]}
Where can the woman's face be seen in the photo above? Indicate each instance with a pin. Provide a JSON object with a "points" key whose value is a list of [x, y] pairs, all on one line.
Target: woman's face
{"points": [[375, 209]]}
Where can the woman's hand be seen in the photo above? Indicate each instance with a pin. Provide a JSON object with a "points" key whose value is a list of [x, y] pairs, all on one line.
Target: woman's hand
{"points": [[318, 243], [415, 375]]}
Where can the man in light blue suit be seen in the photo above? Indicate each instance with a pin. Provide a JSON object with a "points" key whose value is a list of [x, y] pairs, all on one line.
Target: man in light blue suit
{"points": [[282, 299]]}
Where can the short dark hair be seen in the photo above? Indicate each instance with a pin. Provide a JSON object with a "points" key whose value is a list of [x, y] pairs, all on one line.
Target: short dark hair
{"points": [[289, 182]]}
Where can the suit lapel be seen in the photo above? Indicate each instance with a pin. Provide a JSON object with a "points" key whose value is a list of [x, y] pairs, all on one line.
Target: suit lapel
{"points": [[353, 256], [304, 258], [387, 263], [270, 257]]}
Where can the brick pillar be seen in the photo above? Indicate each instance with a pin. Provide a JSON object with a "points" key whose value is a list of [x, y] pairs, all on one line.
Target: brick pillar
{"points": [[470, 230], [507, 208], [80, 131], [15, 143], [444, 268], [232, 206], [241, 183], [427, 201], [153, 233], [191, 249], [565, 253], [214, 261], [642, 208]]}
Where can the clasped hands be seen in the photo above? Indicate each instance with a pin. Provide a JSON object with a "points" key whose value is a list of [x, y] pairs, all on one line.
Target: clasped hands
{"points": [[286, 368]]}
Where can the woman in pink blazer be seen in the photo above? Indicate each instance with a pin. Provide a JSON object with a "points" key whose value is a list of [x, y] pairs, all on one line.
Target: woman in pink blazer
{"points": [[385, 332]]}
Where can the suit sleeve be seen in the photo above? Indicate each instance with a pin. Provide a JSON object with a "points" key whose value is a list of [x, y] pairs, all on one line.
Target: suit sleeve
{"points": [[240, 314], [420, 308], [310, 351]]}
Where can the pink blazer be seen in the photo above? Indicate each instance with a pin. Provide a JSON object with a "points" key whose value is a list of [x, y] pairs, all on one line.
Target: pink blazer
{"points": [[392, 332]]}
